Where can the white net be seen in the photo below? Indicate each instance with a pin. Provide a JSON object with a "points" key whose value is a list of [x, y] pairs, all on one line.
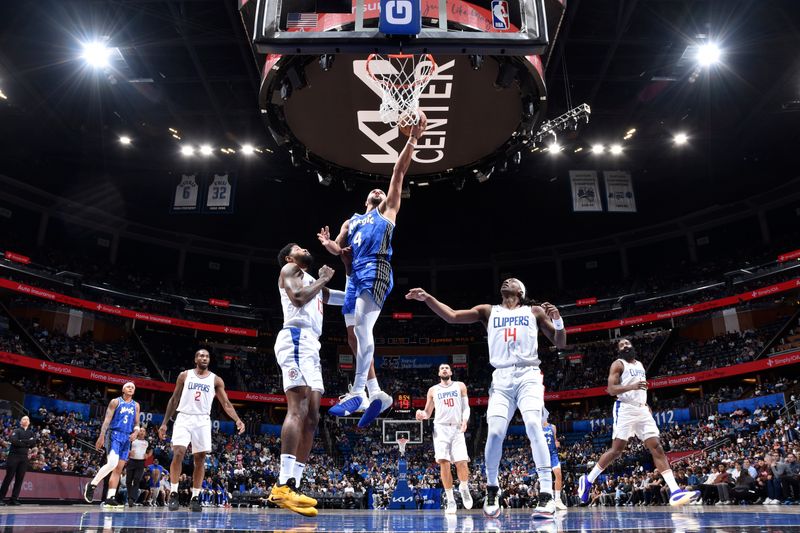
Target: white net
{"points": [[402, 78], [401, 443]]}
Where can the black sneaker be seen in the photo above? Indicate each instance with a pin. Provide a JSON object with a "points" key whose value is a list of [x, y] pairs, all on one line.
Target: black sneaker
{"points": [[195, 504], [88, 492], [173, 501], [14, 502], [111, 503]]}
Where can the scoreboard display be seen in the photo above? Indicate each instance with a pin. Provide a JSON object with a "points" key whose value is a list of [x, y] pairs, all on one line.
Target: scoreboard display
{"points": [[402, 403]]}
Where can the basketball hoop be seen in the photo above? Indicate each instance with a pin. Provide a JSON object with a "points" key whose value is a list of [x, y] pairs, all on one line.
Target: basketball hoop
{"points": [[402, 78], [401, 443]]}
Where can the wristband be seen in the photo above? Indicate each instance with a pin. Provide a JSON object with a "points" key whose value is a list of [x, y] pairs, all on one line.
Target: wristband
{"points": [[558, 324], [414, 144]]}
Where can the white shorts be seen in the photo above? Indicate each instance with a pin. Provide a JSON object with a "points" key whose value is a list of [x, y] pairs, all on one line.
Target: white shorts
{"points": [[194, 430], [297, 352], [515, 388], [630, 420], [350, 320], [449, 444]]}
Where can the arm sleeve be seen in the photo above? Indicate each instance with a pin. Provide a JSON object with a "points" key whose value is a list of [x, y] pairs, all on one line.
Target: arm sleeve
{"points": [[335, 297], [465, 412]]}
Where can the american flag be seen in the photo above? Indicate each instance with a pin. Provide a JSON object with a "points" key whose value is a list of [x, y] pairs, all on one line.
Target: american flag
{"points": [[301, 20]]}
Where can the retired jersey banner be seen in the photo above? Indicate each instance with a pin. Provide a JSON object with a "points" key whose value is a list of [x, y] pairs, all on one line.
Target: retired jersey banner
{"points": [[585, 190], [219, 194], [186, 195], [619, 191]]}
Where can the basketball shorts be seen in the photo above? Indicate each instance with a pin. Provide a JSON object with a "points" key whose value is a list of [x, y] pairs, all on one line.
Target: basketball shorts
{"points": [[297, 352], [449, 444], [630, 420], [554, 462], [515, 387], [119, 443], [374, 277], [194, 430]]}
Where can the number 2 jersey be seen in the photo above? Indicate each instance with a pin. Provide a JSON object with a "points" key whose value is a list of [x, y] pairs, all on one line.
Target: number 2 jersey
{"points": [[198, 394], [513, 337]]}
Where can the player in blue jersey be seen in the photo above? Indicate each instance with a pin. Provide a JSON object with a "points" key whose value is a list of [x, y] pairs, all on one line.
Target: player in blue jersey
{"points": [[122, 424], [550, 435], [369, 236]]}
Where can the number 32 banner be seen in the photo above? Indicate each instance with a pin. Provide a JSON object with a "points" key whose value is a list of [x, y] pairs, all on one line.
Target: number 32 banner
{"points": [[219, 194]]}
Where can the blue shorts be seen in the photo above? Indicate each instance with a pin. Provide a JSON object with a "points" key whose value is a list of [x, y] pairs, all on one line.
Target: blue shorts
{"points": [[374, 277], [554, 462], [119, 443]]}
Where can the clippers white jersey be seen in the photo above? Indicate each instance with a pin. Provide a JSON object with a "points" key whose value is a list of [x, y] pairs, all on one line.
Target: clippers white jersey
{"points": [[447, 404], [632, 373], [198, 394], [307, 317], [513, 337]]}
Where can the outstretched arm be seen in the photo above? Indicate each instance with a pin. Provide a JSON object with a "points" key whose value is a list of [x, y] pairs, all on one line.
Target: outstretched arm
{"points": [[334, 246], [479, 313], [222, 396], [392, 204]]}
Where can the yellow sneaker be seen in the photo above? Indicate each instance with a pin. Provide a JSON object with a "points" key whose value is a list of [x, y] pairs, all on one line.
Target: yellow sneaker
{"points": [[285, 497]]}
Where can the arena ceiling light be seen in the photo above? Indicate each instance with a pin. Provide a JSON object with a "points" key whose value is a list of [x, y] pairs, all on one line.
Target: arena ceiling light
{"points": [[3, 95], [206, 150], [187, 150], [554, 147], [708, 54], [680, 139], [96, 54], [248, 149], [124, 140], [615, 149], [598, 149]]}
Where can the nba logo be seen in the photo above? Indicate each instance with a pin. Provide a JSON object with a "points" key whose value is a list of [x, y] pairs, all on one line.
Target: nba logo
{"points": [[500, 14]]}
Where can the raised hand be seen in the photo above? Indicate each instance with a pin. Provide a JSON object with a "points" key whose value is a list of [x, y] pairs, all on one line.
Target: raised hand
{"points": [[417, 294], [551, 311], [326, 272], [324, 236], [419, 128]]}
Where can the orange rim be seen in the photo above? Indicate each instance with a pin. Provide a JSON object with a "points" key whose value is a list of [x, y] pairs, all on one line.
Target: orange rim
{"points": [[424, 80]]}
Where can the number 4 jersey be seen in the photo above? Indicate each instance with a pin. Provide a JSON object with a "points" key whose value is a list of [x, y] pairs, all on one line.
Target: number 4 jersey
{"points": [[198, 394], [513, 337]]}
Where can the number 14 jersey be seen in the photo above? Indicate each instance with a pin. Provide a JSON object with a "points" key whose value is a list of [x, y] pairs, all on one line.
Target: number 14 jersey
{"points": [[513, 337]]}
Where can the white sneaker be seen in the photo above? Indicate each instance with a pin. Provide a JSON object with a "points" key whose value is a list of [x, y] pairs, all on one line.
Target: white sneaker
{"points": [[350, 403], [560, 505], [451, 507], [491, 505], [466, 498], [545, 510]]}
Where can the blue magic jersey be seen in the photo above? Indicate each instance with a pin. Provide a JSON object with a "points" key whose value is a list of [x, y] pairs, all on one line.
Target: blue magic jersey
{"points": [[551, 439], [370, 236], [124, 416]]}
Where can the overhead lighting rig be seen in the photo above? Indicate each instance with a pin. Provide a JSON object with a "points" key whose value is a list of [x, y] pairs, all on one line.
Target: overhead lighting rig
{"points": [[568, 121]]}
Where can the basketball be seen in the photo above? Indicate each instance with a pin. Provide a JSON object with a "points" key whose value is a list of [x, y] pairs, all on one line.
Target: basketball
{"points": [[405, 130]]}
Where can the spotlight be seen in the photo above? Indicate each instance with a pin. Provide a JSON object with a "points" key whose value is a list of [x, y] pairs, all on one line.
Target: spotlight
{"points": [[708, 54], [484, 176], [125, 140], [516, 159], [294, 158], [206, 150], [187, 150], [324, 179], [598, 148], [615, 149], [680, 139], [248, 149], [3, 95], [96, 54], [554, 147]]}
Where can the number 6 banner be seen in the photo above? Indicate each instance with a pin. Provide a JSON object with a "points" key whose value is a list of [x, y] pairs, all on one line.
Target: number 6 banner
{"points": [[219, 194], [186, 195]]}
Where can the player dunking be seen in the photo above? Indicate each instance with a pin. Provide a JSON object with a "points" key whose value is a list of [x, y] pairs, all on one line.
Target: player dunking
{"points": [[449, 399], [628, 382], [517, 382], [194, 393], [550, 435], [122, 424], [369, 235], [297, 351]]}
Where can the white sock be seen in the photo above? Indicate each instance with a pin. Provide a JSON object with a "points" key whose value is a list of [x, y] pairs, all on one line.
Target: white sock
{"points": [[372, 387], [287, 468], [449, 492], [670, 479], [557, 494], [596, 471], [173, 487], [111, 493], [195, 492], [299, 468], [463, 486]]}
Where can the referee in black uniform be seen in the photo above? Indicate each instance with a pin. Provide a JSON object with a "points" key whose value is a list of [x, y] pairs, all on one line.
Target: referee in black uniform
{"points": [[17, 463]]}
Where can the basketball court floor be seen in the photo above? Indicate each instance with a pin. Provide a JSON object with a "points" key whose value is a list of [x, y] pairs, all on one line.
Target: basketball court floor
{"points": [[758, 518]]}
